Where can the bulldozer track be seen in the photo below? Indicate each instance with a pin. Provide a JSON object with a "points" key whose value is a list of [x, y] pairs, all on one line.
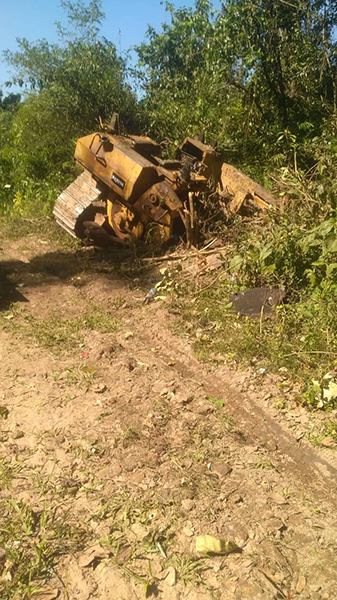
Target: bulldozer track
{"points": [[71, 206]]}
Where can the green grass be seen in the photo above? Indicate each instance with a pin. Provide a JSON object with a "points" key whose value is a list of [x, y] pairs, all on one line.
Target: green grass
{"points": [[35, 533], [33, 541], [56, 332], [299, 337], [15, 227], [156, 541], [189, 568]]}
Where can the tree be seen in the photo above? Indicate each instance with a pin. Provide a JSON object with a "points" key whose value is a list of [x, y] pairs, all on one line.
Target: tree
{"points": [[68, 87], [245, 74]]}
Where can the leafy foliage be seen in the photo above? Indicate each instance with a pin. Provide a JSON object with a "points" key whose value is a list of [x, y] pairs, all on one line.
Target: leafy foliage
{"points": [[243, 74], [68, 87]]}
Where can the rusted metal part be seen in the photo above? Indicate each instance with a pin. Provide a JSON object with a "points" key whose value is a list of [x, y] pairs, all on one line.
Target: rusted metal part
{"points": [[130, 192], [159, 205], [238, 189], [124, 221]]}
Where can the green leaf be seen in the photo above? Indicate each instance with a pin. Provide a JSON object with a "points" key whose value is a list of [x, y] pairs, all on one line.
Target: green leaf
{"points": [[216, 401], [236, 263], [330, 268]]}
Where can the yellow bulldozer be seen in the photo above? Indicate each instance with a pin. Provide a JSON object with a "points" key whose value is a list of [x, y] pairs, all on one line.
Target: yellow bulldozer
{"points": [[128, 192]]}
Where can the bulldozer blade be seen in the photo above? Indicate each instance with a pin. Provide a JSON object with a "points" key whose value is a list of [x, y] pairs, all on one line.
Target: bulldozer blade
{"points": [[237, 188]]}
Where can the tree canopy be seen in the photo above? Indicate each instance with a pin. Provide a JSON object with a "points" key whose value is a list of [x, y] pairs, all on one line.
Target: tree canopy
{"points": [[260, 77]]}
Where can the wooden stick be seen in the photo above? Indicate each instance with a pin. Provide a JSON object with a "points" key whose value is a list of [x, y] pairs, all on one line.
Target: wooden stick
{"points": [[191, 204], [187, 255], [209, 244], [187, 222]]}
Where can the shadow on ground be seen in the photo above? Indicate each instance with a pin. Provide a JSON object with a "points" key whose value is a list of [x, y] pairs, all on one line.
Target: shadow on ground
{"points": [[9, 292], [77, 267], [43, 269]]}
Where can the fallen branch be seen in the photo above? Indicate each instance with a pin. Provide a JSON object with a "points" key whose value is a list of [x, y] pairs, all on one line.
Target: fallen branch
{"points": [[183, 256], [207, 287], [310, 352], [209, 244]]}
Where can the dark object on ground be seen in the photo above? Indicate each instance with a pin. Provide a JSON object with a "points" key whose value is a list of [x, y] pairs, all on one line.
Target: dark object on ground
{"points": [[173, 241], [9, 292], [255, 302]]}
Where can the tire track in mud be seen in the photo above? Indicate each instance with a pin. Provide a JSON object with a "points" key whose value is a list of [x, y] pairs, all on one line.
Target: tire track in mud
{"points": [[304, 464]]}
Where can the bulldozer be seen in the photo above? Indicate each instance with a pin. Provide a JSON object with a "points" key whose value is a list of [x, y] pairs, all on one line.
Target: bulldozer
{"points": [[128, 191]]}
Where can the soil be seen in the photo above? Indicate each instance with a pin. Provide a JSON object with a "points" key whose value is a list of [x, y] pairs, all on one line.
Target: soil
{"points": [[146, 445]]}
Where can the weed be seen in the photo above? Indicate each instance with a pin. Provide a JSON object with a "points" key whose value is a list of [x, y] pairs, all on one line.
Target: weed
{"points": [[326, 429], [189, 569], [262, 462], [79, 375], [7, 473], [32, 541], [130, 436], [222, 415], [280, 404], [163, 412], [216, 401], [4, 412], [330, 429]]}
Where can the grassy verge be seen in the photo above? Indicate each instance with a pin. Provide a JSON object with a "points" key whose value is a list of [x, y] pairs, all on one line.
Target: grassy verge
{"points": [[56, 332], [15, 227], [299, 338]]}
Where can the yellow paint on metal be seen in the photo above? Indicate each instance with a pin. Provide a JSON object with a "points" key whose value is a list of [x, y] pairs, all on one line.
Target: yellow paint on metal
{"points": [[118, 165]]}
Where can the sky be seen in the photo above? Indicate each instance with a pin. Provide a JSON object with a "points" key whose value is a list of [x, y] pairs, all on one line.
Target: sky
{"points": [[125, 24]]}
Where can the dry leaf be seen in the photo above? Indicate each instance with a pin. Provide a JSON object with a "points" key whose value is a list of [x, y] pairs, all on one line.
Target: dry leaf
{"points": [[221, 468], [301, 583], [47, 594], [92, 554], [328, 442], [123, 555], [171, 577], [139, 530], [207, 544], [188, 529], [273, 578], [99, 388]]}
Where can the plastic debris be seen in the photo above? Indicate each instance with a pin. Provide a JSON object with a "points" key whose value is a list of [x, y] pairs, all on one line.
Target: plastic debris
{"points": [[207, 544], [256, 302], [150, 296]]}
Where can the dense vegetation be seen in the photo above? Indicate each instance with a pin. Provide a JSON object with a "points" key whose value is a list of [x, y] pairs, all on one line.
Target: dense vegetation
{"points": [[259, 77]]}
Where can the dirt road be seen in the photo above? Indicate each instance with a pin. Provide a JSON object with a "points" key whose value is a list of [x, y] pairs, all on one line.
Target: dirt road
{"points": [[118, 448]]}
